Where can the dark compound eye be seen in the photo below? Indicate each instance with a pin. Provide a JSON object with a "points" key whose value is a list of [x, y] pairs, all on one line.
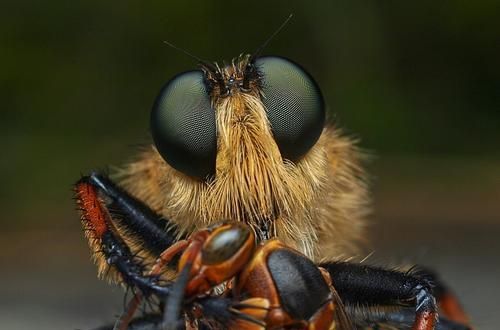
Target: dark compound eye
{"points": [[183, 125], [294, 103]]}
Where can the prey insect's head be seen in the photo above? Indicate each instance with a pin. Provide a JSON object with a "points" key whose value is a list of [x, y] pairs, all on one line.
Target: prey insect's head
{"points": [[196, 108]]}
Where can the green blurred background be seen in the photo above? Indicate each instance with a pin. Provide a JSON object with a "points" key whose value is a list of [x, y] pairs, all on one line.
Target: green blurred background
{"points": [[417, 82]]}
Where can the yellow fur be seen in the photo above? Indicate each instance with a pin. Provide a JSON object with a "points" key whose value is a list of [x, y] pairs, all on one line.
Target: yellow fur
{"points": [[317, 205]]}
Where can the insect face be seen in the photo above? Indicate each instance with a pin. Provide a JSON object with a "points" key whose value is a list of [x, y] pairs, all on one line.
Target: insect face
{"points": [[183, 120], [246, 142]]}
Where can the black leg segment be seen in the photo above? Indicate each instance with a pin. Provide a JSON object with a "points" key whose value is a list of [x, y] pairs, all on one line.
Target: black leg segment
{"points": [[361, 285], [130, 268], [155, 232]]}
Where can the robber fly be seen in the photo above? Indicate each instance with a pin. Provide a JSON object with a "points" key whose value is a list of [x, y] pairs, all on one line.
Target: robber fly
{"points": [[248, 143]]}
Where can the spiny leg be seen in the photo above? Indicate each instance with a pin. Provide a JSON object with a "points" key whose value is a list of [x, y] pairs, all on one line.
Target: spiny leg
{"points": [[108, 247], [155, 232], [156, 269], [371, 286]]}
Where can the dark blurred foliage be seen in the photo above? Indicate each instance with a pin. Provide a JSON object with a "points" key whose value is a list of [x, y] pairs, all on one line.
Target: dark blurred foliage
{"points": [[77, 79]]}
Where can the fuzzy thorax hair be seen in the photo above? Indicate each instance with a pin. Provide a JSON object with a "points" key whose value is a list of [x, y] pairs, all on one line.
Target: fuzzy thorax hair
{"points": [[316, 204]]}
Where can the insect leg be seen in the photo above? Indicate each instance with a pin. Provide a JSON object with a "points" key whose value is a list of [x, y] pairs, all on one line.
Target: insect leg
{"points": [[371, 286], [114, 249], [153, 231], [110, 250], [232, 314], [447, 301]]}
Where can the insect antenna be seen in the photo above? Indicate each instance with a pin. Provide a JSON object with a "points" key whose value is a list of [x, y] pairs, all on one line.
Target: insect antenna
{"points": [[250, 68], [257, 52], [201, 61], [204, 64]]}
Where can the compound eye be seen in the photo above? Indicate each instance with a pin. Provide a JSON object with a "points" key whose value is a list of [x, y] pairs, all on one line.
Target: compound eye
{"points": [[294, 103], [183, 125], [224, 243]]}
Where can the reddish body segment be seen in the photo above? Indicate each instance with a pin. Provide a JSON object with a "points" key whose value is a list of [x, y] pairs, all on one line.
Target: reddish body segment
{"points": [[252, 279]]}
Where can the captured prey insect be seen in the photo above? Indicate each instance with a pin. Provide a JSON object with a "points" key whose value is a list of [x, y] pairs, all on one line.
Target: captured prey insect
{"points": [[268, 287], [248, 143]]}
